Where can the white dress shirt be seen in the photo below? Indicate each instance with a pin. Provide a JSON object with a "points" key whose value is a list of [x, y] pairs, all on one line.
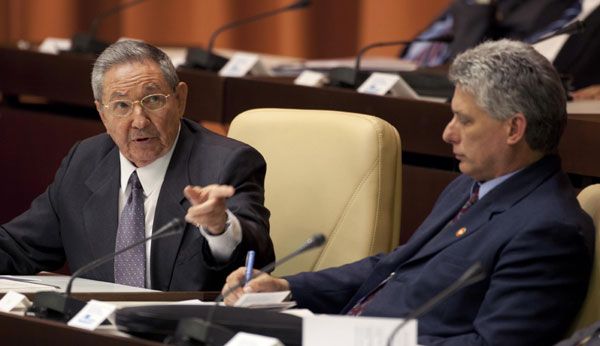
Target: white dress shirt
{"points": [[151, 177]]}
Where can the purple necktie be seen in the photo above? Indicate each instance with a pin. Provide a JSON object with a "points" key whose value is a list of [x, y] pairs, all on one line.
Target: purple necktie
{"points": [[358, 309], [472, 199], [130, 266]]}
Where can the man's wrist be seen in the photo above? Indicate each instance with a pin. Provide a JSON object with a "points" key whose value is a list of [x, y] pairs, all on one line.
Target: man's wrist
{"points": [[223, 230]]}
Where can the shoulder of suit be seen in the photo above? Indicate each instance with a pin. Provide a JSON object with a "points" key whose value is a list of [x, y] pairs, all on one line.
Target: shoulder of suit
{"points": [[203, 136], [95, 147]]}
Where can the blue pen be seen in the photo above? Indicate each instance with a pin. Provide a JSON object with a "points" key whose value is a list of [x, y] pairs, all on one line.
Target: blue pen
{"points": [[249, 266]]}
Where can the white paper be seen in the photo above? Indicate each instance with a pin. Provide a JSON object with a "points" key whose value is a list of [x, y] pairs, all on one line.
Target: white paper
{"points": [[266, 300], [378, 83], [247, 339], [325, 330], [92, 315], [53, 45], [13, 299], [583, 107], [23, 286], [239, 65], [311, 78]]}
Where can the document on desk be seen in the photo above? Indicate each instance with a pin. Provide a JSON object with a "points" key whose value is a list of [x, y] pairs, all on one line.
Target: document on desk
{"points": [[266, 300], [322, 330], [22, 286]]}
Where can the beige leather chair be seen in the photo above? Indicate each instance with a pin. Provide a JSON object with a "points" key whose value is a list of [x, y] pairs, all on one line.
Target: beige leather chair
{"points": [[589, 198], [329, 172]]}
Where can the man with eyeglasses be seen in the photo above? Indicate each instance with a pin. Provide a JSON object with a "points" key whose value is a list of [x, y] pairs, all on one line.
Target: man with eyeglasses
{"points": [[150, 166]]}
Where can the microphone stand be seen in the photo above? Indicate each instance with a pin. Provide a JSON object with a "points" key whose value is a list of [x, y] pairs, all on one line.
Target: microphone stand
{"points": [[195, 331], [61, 306], [348, 77], [86, 42], [206, 60]]}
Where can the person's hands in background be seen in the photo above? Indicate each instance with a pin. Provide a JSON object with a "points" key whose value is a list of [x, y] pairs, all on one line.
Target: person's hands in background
{"points": [[591, 92]]}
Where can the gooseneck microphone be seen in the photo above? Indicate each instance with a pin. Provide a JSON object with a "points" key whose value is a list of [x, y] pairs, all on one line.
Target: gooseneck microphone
{"points": [[205, 59], [473, 274], [208, 333], [348, 77], [86, 42], [573, 28], [60, 306]]}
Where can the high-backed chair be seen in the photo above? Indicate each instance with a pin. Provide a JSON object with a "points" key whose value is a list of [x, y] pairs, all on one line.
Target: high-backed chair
{"points": [[589, 198], [329, 172]]}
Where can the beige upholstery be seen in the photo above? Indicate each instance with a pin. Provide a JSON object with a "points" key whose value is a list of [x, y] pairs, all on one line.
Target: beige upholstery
{"points": [[331, 172], [589, 198]]}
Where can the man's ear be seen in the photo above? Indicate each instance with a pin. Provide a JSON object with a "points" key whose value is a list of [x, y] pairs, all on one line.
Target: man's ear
{"points": [[181, 91], [517, 125]]}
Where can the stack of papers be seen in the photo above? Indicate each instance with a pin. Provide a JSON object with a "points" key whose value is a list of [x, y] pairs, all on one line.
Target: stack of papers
{"points": [[23, 285], [266, 300]]}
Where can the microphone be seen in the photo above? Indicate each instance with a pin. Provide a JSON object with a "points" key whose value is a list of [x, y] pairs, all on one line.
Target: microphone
{"points": [[574, 28], [207, 333], [473, 274], [206, 60], [60, 306], [348, 77], [86, 42]]}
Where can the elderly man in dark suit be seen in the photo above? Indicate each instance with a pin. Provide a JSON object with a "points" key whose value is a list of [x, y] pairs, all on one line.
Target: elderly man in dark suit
{"points": [[513, 210], [151, 166]]}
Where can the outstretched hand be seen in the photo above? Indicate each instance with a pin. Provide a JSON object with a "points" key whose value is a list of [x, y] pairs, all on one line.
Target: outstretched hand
{"points": [[208, 208]]}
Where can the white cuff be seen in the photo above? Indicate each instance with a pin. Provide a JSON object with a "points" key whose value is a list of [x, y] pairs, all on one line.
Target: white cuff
{"points": [[222, 245]]}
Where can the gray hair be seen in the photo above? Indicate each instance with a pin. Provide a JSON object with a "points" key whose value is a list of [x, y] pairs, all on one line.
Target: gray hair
{"points": [[127, 51], [507, 77]]}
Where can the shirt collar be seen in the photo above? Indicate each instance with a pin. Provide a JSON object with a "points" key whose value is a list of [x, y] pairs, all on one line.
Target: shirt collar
{"points": [[152, 175], [487, 186]]}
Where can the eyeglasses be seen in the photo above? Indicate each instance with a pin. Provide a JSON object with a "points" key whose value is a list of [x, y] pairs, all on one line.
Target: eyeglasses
{"points": [[150, 103]]}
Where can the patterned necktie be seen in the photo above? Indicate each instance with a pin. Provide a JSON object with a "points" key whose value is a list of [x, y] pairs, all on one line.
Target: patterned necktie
{"points": [[130, 266], [472, 199], [360, 306]]}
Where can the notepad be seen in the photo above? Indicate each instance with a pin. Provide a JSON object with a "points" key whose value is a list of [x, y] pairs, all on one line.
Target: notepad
{"points": [[266, 300]]}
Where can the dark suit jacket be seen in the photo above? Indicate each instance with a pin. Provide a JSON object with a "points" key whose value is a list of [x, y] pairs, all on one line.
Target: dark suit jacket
{"points": [[531, 237], [517, 19], [579, 58], [76, 218]]}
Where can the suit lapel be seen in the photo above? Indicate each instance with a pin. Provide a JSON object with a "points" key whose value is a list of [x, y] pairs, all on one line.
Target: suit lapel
{"points": [[100, 212], [171, 204], [438, 217], [495, 202]]}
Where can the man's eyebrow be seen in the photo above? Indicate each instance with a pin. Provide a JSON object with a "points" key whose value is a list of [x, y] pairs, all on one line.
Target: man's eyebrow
{"points": [[117, 94], [152, 86]]}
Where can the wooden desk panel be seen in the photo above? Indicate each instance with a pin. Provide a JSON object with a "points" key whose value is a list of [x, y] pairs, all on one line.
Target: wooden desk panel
{"points": [[419, 123], [59, 78], [23, 330], [32, 145]]}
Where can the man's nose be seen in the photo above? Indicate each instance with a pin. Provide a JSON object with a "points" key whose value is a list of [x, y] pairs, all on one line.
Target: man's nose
{"points": [[449, 134]]}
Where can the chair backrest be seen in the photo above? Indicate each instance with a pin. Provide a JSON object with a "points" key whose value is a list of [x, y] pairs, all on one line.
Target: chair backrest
{"points": [[329, 172], [589, 198]]}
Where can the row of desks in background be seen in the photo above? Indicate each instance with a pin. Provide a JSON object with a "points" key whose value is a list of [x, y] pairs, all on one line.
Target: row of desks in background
{"points": [[28, 130]]}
